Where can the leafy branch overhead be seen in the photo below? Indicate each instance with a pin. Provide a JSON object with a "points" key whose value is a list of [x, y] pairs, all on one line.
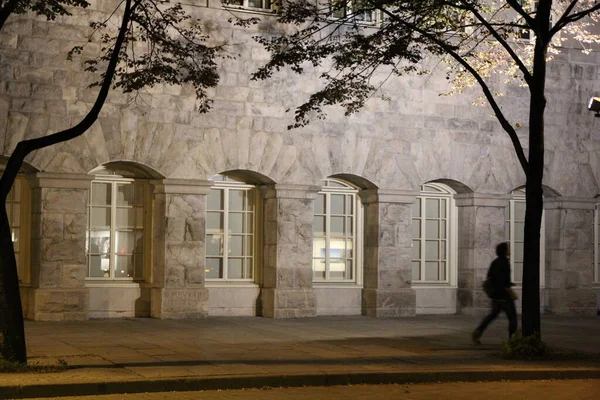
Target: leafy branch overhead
{"points": [[163, 44], [476, 39]]}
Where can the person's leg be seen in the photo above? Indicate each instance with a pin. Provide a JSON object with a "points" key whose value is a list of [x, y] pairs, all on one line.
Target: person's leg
{"points": [[511, 313], [496, 308]]}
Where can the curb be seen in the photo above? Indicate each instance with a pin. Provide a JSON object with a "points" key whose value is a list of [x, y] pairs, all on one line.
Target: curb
{"points": [[254, 381]]}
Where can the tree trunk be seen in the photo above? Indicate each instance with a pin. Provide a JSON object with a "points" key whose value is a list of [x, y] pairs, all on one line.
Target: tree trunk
{"points": [[12, 330], [534, 200], [12, 333]]}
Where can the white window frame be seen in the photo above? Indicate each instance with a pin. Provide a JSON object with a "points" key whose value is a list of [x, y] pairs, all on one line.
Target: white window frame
{"points": [[357, 234], [24, 209], [226, 184], [518, 196], [376, 17], [114, 180], [246, 7], [597, 244], [451, 234]]}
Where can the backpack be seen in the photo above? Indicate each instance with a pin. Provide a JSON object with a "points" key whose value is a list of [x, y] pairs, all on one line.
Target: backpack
{"points": [[488, 287]]}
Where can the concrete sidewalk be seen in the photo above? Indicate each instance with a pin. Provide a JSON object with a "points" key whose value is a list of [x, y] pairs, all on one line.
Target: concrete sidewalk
{"points": [[145, 355]]}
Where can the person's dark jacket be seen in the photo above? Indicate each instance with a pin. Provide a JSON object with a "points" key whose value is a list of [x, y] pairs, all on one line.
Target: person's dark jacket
{"points": [[499, 274]]}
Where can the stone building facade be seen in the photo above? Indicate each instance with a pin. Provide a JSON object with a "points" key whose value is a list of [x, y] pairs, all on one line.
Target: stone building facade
{"points": [[158, 211]]}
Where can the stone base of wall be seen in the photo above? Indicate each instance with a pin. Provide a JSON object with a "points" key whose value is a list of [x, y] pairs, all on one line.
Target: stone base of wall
{"points": [[572, 301], [179, 303], [389, 303], [472, 302], [59, 304], [288, 303]]}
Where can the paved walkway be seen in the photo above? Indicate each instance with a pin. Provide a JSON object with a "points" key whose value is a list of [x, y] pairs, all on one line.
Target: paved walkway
{"points": [[147, 355]]}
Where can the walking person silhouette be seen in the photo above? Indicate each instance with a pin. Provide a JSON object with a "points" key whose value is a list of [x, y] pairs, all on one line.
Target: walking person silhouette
{"points": [[501, 293]]}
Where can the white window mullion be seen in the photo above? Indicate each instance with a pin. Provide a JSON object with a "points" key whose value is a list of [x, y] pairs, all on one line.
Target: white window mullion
{"points": [[113, 234], [423, 239], [225, 231], [327, 234]]}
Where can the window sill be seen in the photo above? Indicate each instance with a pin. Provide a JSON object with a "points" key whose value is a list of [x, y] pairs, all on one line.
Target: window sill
{"points": [[336, 285], [122, 284], [229, 284], [432, 285]]}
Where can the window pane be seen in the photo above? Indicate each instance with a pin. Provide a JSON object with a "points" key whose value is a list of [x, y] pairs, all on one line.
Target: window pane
{"points": [[349, 204], [125, 242], [214, 222], [319, 247], [125, 194], [443, 271], [349, 226], [215, 200], [320, 204], [235, 269], [336, 248], [15, 238], [319, 269], [443, 207], [248, 267], [319, 226], [214, 245], [349, 253], [214, 268], [519, 210], [431, 250], [443, 229], [15, 218], [100, 218], [416, 208], [99, 242], [519, 231], [337, 269], [17, 190], [416, 228], [416, 270], [249, 223], [432, 208], [237, 200], [349, 270], [416, 250], [139, 242], [442, 250], [236, 246], [236, 222], [124, 267], [101, 193], [125, 218], [249, 246], [431, 271], [518, 249], [337, 225], [432, 230], [337, 204], [99, 266], [518, 272]]}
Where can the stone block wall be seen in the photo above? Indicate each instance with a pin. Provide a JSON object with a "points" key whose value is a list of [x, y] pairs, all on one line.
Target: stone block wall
{"points": [[387, 261], [570, 256], [58, 267], [287, 275], [179, 249]]}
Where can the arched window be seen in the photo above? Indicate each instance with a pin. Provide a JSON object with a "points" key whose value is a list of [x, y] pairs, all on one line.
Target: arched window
{"points": [[230, 230], [337, 233], [515, 235], [597, 243], [432, 227], [118, 236]]}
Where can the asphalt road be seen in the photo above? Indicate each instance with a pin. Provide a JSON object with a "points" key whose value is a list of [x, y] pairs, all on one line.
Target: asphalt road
{"points": [[518, 390]]}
